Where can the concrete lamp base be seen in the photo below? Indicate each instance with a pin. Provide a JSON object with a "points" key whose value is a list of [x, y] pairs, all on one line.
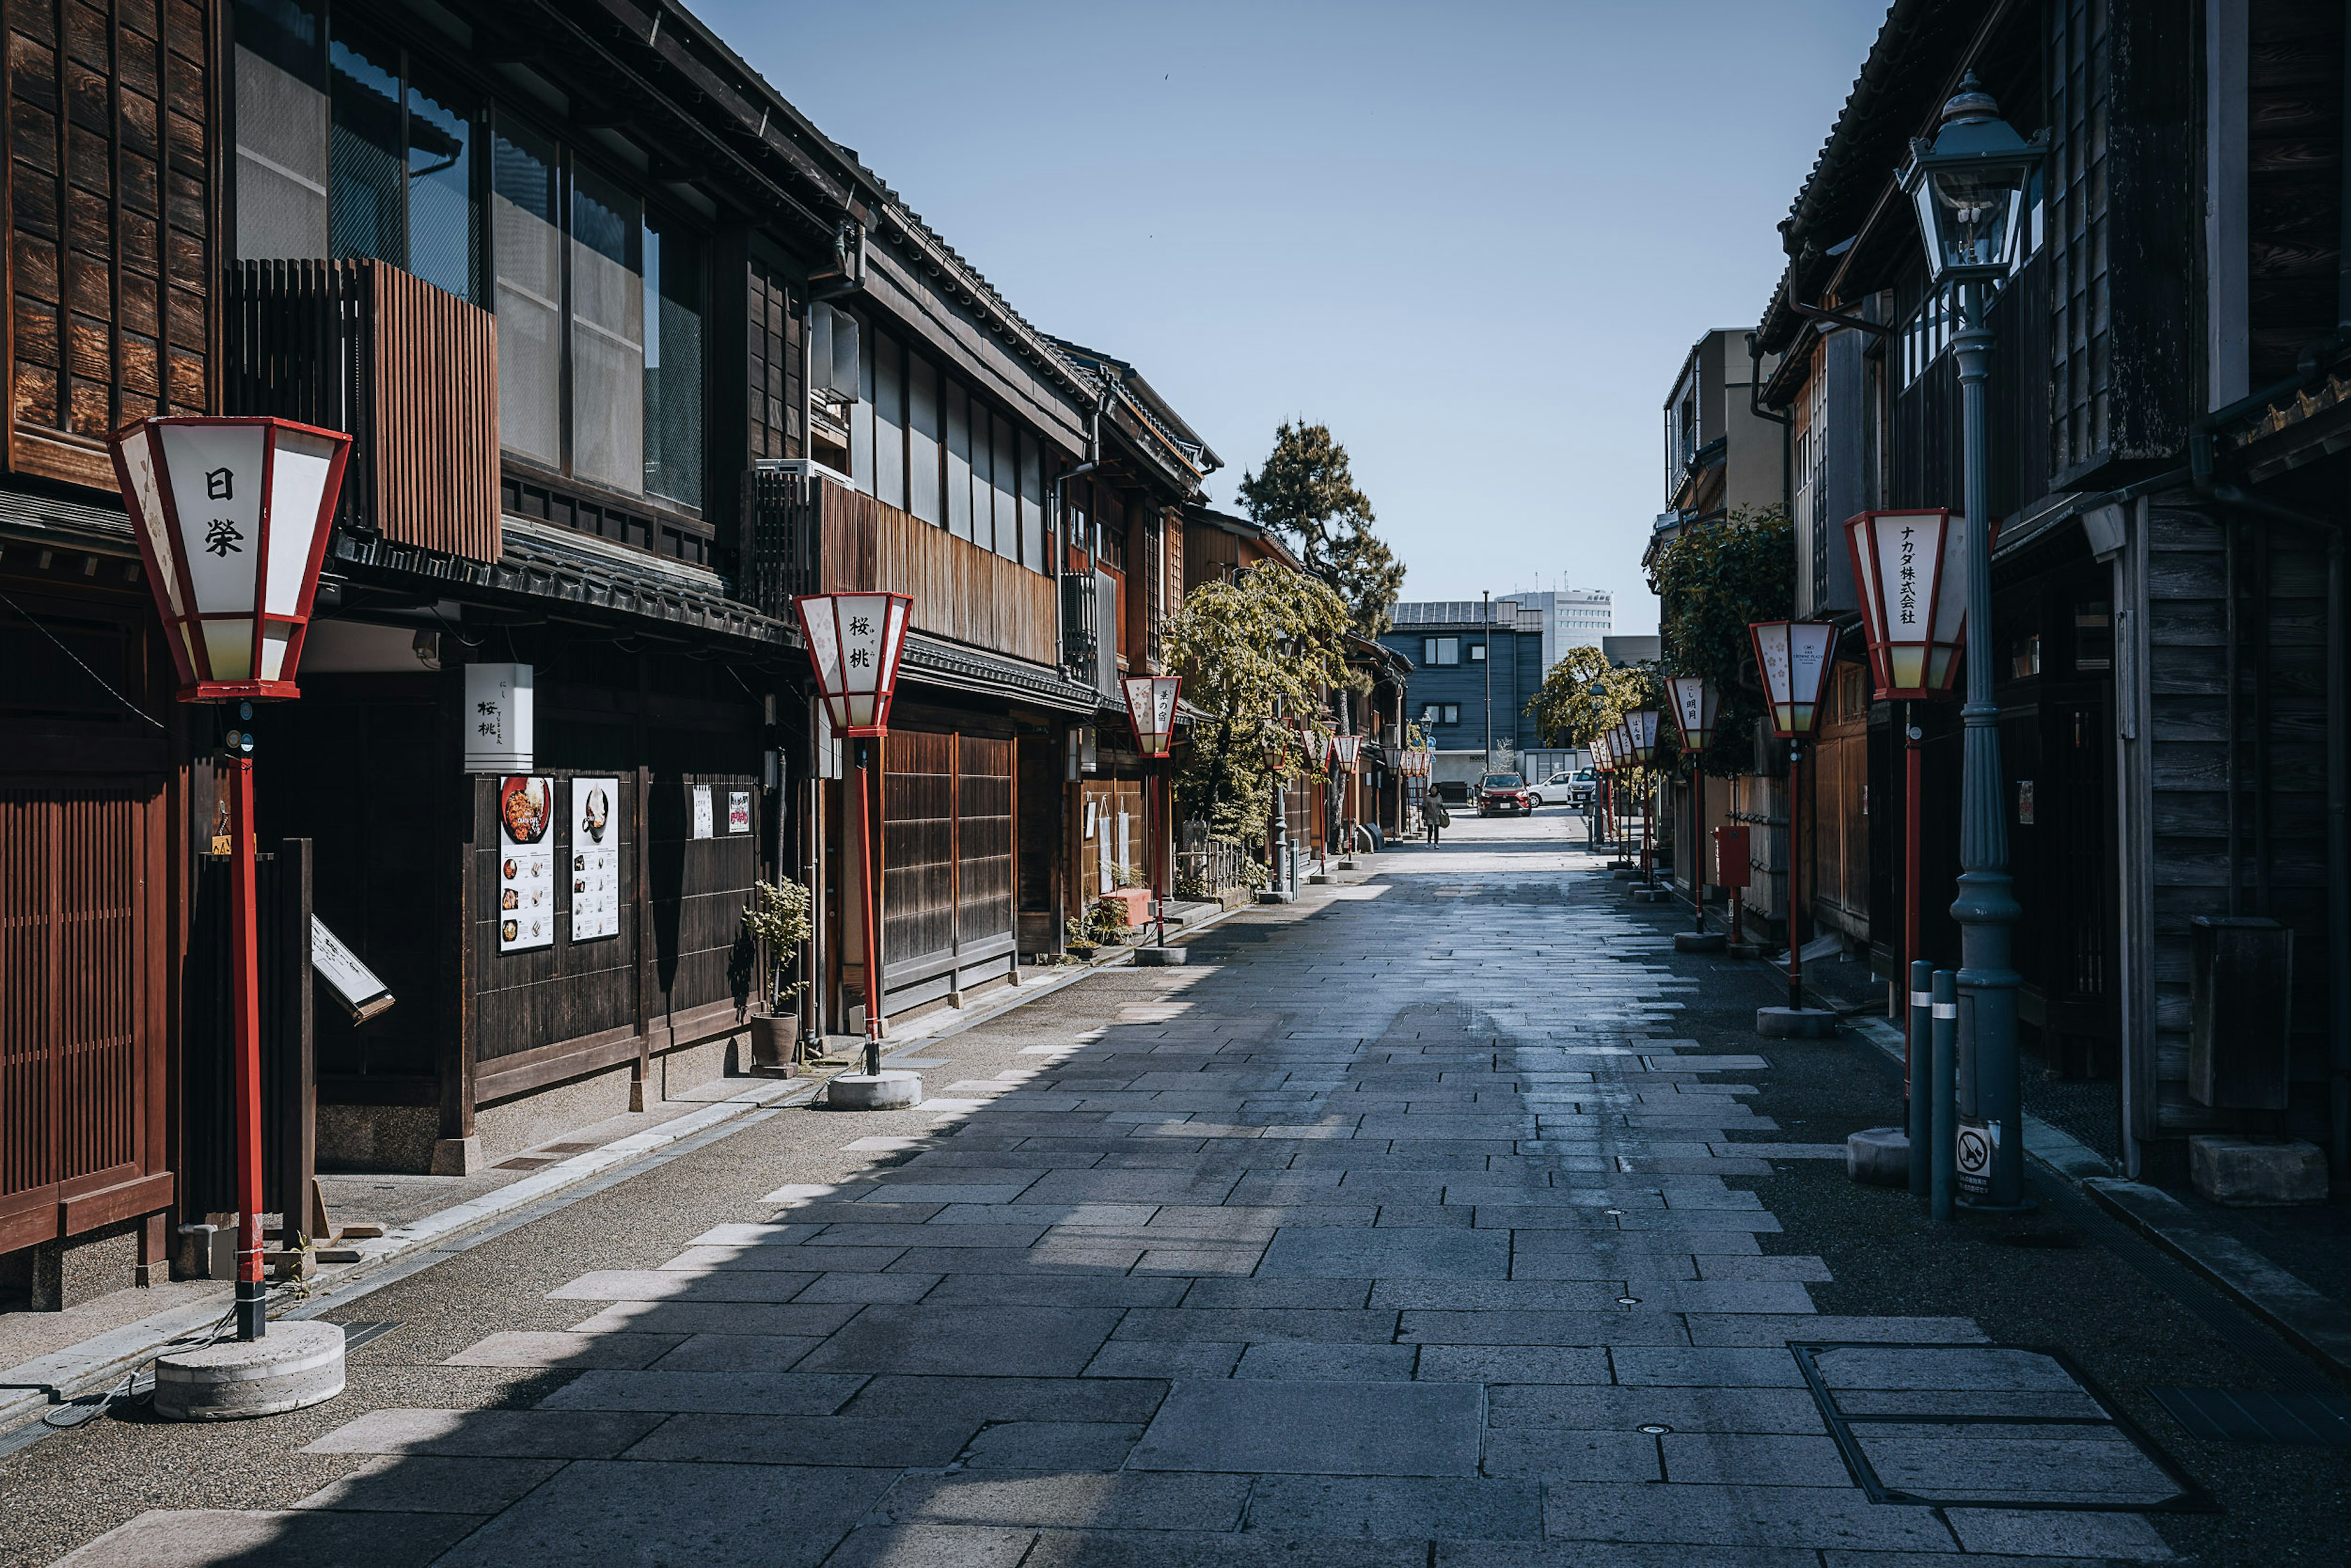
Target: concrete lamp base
{"points": [[1743, 949], [1274, 895], [1796, 1023], [1317, 878], [293, 1367], [2247, 1172], [1649, 896], [1700, 941], [1880, 1157], [1159, 957], [875, 1091]]}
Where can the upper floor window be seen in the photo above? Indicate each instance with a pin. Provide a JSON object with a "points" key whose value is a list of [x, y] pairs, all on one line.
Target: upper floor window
{"points": [[347, 146], [1477, 653], [1440, 650]]}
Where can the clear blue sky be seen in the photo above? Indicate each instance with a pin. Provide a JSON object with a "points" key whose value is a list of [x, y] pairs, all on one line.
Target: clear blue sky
{"points": [[1476, 240]]}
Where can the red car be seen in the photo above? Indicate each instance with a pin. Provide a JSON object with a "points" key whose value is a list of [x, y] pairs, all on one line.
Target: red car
{"points": [[1500, 793]]}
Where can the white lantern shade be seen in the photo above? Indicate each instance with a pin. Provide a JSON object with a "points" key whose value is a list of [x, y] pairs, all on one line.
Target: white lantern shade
{"points": [[1346, 749], [1793, 656], [855, 640], [1602, 761], [1151, 705], [1641, 729], [1911, 569], [232, 516], [1693, 703], [1318, 745]]}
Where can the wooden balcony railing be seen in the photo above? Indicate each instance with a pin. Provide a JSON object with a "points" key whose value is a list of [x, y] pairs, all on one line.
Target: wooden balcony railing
{"points": [[409, 370], [809, 535]]}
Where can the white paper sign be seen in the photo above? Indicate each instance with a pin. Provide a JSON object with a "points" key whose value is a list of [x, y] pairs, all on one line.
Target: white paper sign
{"points": [[703, 823], [595, 859], [498, 718], [350, 978], [525, 862]]}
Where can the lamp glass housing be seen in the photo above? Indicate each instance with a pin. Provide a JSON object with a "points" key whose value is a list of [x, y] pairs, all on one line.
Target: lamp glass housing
{"points": [[1793, 656], [231, 518], [1967, 187], [855, 640], [1695, 702], [1641, 729], [1911, 569], [1151, 705]]}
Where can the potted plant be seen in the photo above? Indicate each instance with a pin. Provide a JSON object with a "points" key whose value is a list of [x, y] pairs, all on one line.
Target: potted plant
{"points": [[777, 919]]}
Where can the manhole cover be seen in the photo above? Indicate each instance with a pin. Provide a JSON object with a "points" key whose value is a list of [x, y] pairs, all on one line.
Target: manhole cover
{"points": [[1981, 1426], [2242, 1415]]}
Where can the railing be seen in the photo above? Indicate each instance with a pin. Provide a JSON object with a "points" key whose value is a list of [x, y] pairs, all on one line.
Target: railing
{"points": [[807, 534], [1207, 865], [410, 372]]}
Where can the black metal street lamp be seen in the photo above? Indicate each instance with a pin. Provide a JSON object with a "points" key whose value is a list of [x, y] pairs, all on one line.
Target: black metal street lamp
{"points": [[1969, 187]]}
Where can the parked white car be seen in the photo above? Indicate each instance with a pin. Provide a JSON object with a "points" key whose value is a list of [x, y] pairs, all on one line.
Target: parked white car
{"points": [[1564, 789]]}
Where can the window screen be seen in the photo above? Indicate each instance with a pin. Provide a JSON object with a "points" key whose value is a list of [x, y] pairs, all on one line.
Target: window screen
{"points": [[673, 355], [607, 333], [922, 439], [958, 470], [530, 256], [281, 131], [1032, 505], [889, 421], [368, 205], [983, 479], [773, 411], [861, 418], [1008, 522], [444, 221]]}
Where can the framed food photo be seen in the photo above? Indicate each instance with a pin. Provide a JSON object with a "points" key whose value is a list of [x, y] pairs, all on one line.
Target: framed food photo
{"points": [[595, 859], [526, 863]]}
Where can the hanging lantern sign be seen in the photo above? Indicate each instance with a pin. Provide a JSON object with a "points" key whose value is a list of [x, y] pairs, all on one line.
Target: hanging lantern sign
{"points": [[1694, 703], [1318, 745], [1620, 742], [1911, 568], [1641, 731], [1602, 760], [1793, 656], [1277, 747], [855, 640], [231, 518], [1151, 705], [1346, 749]]}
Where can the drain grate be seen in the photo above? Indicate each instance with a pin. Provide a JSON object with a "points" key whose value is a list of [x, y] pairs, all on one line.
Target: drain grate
{"points": [[2241, 1415], [360, 1333]]}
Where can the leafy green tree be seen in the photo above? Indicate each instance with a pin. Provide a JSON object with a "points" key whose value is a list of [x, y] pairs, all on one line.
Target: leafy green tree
{"points": [[1563, 708], [1306, 494], [1711, 583], [1268, 643]]}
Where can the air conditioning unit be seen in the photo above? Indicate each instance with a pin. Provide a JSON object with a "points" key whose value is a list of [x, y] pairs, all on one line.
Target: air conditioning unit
{"points": [[806, 467]]}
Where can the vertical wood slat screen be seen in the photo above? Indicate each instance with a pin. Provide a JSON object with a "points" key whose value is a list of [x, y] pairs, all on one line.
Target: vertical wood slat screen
{"points": [[410, 371], [918, 907], [984, 841], [961, 591], [109, 193], [73, 872]]}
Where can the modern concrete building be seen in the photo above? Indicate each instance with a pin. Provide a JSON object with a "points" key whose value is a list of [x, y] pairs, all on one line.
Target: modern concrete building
{"points": [[1463, 703]]}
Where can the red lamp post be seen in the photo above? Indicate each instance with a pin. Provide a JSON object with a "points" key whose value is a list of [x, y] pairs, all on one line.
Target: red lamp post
{"points": [[1793, 656], [1151, 707], [1911, 569], [1695, 702], [1603, 794], [231, 518], [855, 640]]}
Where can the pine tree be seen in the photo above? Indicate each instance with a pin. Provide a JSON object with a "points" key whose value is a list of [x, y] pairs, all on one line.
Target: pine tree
{"points": [[1306, 493]]}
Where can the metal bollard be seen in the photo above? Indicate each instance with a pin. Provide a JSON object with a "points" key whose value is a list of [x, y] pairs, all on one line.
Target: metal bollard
{"points": [[1945, 1009], [1919, 1086]]}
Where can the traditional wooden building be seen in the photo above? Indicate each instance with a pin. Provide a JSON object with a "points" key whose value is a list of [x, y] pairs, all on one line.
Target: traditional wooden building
{"points": [[631, 353], [2167, 655]]}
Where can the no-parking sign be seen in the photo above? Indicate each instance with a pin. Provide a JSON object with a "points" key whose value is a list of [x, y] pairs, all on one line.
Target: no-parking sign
{"points": [[1978, 1143]]}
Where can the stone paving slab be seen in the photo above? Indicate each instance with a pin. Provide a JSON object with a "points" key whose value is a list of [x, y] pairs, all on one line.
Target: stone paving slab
{"points": [[200, 1538], [713, 1516], [1391, 1429], [424, 1483], [488, 1434]]}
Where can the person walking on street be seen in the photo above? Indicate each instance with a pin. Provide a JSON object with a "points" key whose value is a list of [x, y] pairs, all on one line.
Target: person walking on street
{"points": [[1434, 814]]}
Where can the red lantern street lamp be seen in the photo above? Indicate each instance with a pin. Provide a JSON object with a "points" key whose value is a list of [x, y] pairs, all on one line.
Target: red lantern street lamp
{"points": [[1151, 707], [1344, 750], [1911, 569], [855, 641], [1795, 657], [231, 518], [1603, 767], [1277, 760], [1694, 702], [1641, 735]]}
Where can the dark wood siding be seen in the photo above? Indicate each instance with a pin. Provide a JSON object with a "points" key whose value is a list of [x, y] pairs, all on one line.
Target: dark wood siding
{"points": [[2294, 175], [111, 208], [983, 847]]}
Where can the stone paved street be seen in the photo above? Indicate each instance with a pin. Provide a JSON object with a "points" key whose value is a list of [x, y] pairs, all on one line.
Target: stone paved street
{"points": [[1436, 1219]]}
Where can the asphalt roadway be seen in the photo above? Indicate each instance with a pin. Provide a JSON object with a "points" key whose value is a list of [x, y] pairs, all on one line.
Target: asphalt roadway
{"points": [[1446, 1217]]}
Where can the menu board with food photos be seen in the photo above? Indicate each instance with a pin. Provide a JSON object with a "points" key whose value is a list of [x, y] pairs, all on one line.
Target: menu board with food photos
{"points": [[526, 863], [595, 859]]}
